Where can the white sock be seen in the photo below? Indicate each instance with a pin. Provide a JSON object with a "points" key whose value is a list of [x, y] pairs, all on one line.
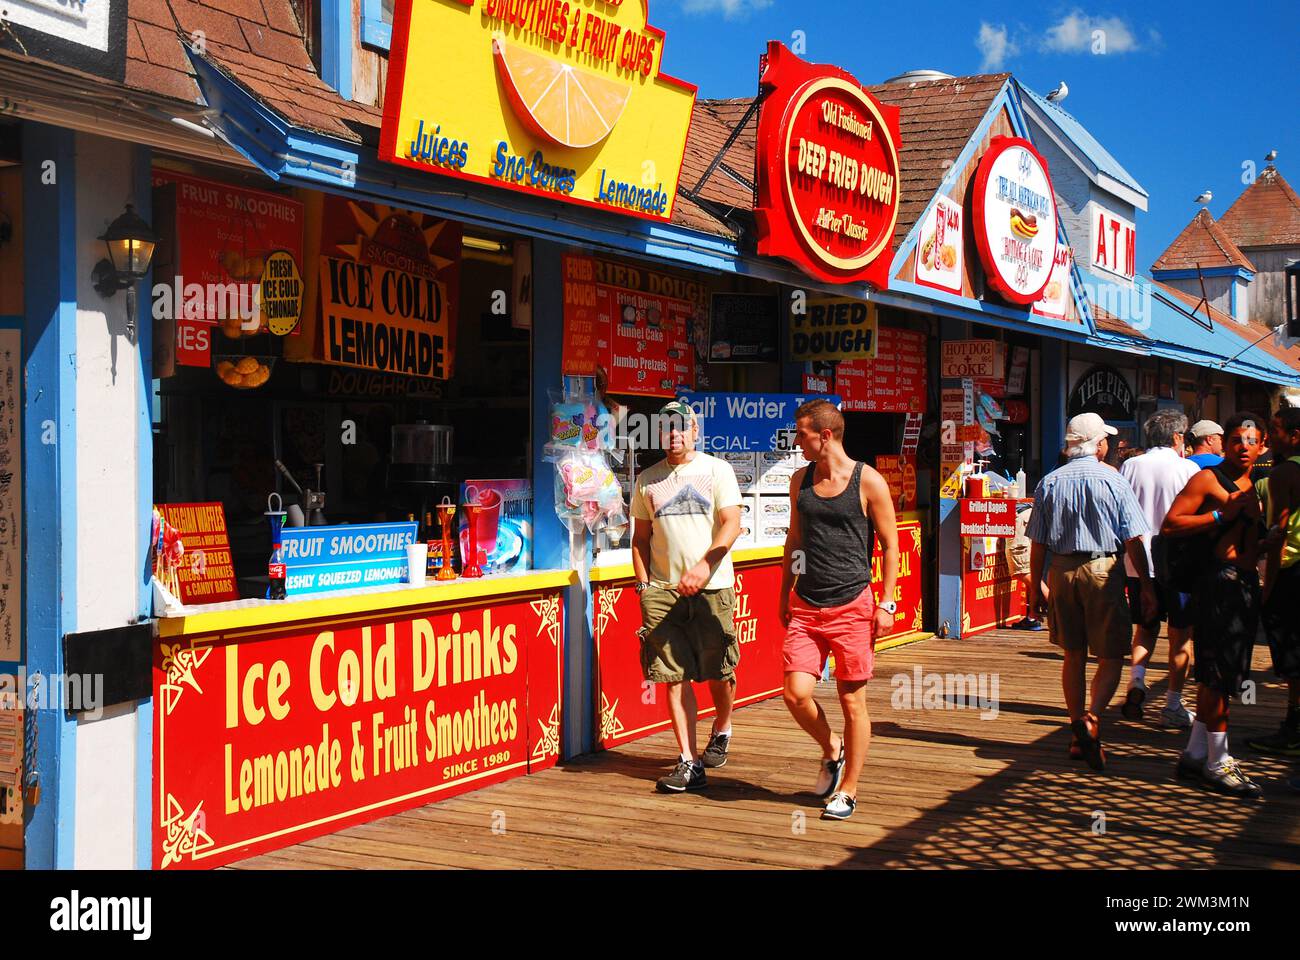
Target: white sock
{"points": [[1137, 676], [1197, 744], [1218, 744], [1173, 699], [722, 733], [686, 759]]}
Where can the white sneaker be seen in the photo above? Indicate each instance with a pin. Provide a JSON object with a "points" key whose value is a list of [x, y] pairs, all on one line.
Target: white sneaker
{"points": [[829, 775], [1177, 716], [839, 807]]}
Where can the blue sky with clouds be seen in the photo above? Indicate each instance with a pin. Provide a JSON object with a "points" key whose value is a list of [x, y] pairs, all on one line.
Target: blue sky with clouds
{"points": [[1184, 94]]}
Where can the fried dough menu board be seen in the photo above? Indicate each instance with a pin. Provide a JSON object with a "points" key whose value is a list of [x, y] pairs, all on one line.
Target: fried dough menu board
{"points": [[892, 383], [630, 321]]}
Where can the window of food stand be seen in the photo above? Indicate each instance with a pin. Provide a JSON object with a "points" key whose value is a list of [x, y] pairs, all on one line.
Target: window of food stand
{"points": [[330, 424]]}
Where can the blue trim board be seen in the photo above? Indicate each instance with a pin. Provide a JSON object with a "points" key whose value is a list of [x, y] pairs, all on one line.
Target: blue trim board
{"points": [[50, 471], [142, 197], [375, 32], [1240, 273], [336, 45]]}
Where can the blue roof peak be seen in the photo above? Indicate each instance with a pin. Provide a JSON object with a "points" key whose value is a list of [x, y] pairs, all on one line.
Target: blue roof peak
{"points": [[1078, 134]]}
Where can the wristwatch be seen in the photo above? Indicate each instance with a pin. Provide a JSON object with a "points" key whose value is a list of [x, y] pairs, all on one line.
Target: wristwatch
{"points": [[640, 586], [889, 606]]}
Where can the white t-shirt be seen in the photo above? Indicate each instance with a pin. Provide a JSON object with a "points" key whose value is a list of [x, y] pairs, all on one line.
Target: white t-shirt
{"points": [[684, 503], [1157, 477]]}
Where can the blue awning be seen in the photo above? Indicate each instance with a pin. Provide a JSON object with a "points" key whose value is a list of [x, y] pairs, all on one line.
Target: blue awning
{"points": [[1143, 318]]}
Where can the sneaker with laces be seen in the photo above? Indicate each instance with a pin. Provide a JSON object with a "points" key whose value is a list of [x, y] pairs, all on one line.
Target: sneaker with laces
{"points": [[839, 807], [829, 775], [1228, 777], [1177, 716], [1132, 707], [715, 754], [685, 776], [1284, 743]]}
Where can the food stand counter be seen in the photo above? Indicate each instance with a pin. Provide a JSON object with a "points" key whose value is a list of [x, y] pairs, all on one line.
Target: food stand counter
{"points": [[278, 721]]}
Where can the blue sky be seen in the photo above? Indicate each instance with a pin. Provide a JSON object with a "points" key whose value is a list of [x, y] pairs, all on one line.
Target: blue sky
{"points": [[1184, 94]]}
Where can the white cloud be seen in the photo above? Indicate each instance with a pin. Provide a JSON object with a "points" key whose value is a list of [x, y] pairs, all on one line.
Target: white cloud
{"points": [[1081, 33], [731, 9], [995, 46]]}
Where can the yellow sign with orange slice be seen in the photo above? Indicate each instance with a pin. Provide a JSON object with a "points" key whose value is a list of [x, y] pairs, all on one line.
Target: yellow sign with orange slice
{"points": [[558, 99]]}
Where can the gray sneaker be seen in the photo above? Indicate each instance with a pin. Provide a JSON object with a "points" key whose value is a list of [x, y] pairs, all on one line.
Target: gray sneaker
{"points": [[1178, 717], [715, 754], [1229, 778], [1189, 767], [685, 776]]}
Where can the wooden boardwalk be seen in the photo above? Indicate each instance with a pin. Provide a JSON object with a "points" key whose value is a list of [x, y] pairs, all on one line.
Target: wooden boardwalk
{"points": [[943, 788]]}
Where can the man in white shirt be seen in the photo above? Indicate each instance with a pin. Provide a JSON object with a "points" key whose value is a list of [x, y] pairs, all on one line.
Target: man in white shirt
{"points": [[1157, 477]]}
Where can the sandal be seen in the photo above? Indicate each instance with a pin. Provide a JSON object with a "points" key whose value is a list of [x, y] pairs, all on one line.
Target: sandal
{"points": [[1090, 741]]}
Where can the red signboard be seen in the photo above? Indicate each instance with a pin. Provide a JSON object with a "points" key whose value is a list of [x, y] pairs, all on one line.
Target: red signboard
{"points": [[206, 573], [828, 171], [224, 238], [628, 321], [268, 738], [1014, 213], [907, 589], [991, 596], [900, 473], [895, 382], [988, 518]]}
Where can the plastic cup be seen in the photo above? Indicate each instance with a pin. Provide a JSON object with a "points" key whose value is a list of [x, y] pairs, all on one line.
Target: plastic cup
{"points": [[417, 561]]}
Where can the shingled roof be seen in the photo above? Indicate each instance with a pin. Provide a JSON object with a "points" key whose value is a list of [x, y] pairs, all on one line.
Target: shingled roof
{"points": [[937, 120], [1203, 243], [1267, 214], [257, 42]]}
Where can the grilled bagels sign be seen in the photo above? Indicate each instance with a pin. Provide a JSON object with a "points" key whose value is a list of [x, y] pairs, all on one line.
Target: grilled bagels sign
{"points": [[1015, 219], [828, 181]]}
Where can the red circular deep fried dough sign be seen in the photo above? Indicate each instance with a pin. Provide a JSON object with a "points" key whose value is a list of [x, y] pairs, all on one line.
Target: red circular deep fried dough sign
{"points": [[828, 173]]}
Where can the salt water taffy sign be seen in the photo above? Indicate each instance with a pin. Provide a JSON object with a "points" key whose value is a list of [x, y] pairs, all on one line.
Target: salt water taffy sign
{"points": [[558, 98]]}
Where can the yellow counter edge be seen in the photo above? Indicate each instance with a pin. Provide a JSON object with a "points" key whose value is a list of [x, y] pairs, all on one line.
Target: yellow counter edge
{"points": [[326, 607], [623, 571]]}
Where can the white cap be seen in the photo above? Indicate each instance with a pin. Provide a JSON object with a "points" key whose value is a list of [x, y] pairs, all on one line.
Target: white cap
{"points": [[1085, 428], [1205, 428]]}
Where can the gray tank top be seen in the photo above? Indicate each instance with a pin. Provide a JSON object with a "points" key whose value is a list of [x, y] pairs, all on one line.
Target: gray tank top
{"points": [[837, 542]]}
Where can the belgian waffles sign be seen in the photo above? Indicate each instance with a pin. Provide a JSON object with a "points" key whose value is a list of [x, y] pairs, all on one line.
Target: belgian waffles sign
{"points": [[1015, 220], [828, 176], [558, 98]]}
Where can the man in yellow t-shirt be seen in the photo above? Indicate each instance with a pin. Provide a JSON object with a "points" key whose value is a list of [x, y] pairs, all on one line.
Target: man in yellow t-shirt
{"points": [[686, 516]]}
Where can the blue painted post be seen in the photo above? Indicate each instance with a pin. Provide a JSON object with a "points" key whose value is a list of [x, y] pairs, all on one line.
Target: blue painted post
{"points": [[336, 45], [1054, 373], [550, 536], [142, 197], [50, 472], [949, 539]]}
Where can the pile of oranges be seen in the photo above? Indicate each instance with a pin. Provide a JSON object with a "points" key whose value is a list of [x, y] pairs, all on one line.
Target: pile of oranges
{"points": [[244, 373]]}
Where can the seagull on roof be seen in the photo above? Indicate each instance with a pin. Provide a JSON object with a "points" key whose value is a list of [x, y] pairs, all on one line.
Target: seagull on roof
{"points": [[1059, 94], [1205, 197], [1270, 156]]}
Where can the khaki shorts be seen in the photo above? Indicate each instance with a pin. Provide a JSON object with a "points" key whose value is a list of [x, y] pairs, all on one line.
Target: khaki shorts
{"points": [[688, 638], [1089, 605]]}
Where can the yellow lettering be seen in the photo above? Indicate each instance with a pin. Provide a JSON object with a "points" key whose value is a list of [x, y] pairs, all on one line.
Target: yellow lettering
{"points": [[323, 701]]}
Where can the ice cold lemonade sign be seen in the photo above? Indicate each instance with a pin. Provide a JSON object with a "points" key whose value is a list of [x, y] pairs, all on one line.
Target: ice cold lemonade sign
{"points": [[1015, 219]]}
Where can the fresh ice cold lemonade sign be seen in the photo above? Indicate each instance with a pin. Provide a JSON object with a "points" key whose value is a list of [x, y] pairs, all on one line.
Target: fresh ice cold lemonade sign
{"points": [[1015, 219], [558, 98], [828, 173]]}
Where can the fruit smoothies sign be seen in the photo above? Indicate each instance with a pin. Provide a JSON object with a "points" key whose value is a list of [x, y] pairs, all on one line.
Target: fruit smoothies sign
{"points": [[206, 573], [389, 280], [551, 97], [344, 557], [828, 172], [238, 265], [1015, 219], [632, 322], [270, 736]]}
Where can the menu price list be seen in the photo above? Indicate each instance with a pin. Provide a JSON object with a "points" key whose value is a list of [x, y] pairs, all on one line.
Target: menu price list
{"points": [[894, 382]]}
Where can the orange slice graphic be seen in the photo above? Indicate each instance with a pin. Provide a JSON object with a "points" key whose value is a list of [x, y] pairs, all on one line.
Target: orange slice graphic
{"points": [[556, 101]]}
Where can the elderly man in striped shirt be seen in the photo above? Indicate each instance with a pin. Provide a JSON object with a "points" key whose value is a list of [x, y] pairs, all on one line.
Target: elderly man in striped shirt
{"points": [[1085, 513]]}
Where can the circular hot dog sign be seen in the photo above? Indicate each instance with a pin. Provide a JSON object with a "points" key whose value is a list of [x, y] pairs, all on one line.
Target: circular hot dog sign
{"points": [[1015, 219]]}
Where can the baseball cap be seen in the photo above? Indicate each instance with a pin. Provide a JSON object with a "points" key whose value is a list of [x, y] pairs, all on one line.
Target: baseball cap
{"points": [[1087, 427], [1205, 428], [677, 408]]}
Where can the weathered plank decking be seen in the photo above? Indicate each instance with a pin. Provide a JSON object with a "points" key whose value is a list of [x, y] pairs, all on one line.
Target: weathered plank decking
{"points": [[942, 789]]}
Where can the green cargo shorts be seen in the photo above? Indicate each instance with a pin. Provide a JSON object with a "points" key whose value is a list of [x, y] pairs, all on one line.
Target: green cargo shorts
{"points": [[688, 638]]}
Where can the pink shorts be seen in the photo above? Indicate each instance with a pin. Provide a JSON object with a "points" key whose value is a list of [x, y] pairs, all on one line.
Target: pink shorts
{"points": [[844, 631]]}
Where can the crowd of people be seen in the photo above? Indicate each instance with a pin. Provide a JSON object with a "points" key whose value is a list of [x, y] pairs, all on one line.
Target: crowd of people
{"points": [[1190, 531]]}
